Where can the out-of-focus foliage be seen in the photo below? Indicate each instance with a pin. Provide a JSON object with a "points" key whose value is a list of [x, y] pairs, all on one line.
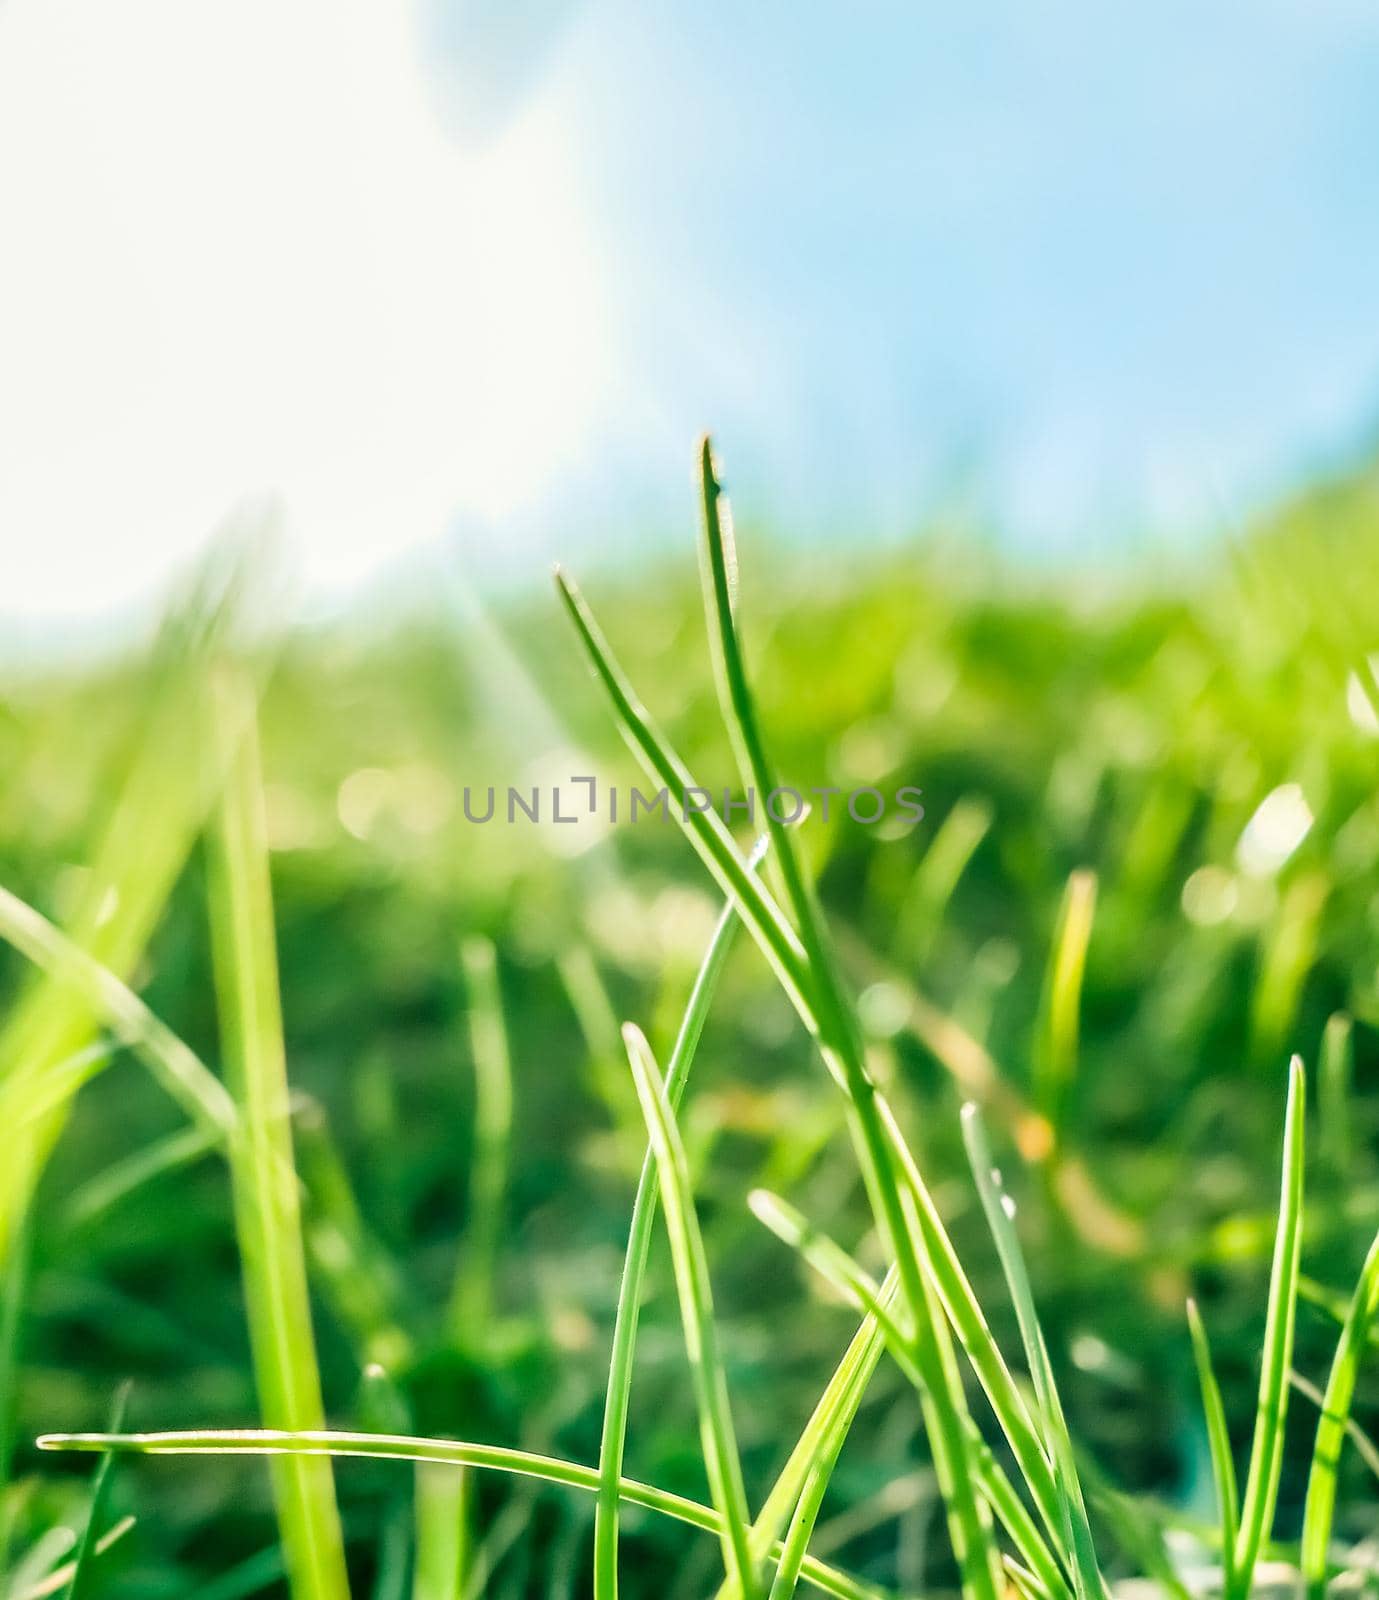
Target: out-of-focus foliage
{"points": [[1206, 744]]}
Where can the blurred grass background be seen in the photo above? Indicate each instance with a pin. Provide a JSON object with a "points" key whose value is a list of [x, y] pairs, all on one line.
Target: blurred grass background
{"points": [[1202, 742]]}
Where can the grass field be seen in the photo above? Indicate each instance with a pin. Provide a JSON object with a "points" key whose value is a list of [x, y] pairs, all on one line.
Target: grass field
{"points": [[323, 1107]]}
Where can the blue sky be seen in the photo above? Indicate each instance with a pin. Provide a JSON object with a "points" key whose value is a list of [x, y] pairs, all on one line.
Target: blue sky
{"points": [[1121, 261], [467, 279]]}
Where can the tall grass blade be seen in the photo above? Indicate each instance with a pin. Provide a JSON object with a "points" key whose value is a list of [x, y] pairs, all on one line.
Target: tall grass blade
{"points": [[1266, 1451], [264, 1181], [1218, 1441], [808, 979], [1320, 1507], [399, 1447], [1000, 1211], [841, 1041], [617, 1395], [721, 1459]]}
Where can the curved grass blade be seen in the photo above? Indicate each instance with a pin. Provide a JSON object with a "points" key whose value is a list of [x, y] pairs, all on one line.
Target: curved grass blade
{"points": [[1266, 1452], [402, 1447], [721, 1459], [137, 856], [999, 1209], [267, 1203], [177, 1067], [1320, 1506], [617, 1396], [1218, 1441]]}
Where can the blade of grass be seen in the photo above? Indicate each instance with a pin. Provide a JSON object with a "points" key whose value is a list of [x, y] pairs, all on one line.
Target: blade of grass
{"points": [[942, 1398], [1320, 1505], [401, 1447], [803, 963], [965, 1313], [1000, 1211], [1055, 1054], [1335, 1073], [266, 1197], [1218, 1441], [357, 1277], [60, 1577], [1266, 1452], [807, 980], [936, 878], [100, 1495], [855, 1285], [118, 1181], [831, 1262], [617, 1395], [806, 1514], [704, 829], [836, 1408], [721, 1459], [139, 852], [471, 1304], [1365, 1447], [71, 969], [442, 1519], [444, 1508], [15, 1266]]}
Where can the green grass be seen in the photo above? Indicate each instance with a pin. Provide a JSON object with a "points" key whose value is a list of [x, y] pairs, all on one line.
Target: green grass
{"points": [[262, 1169], [437, 1264]]}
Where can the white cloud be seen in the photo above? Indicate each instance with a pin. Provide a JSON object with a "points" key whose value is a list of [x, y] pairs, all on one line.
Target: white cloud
{"points": [[241, 255]]}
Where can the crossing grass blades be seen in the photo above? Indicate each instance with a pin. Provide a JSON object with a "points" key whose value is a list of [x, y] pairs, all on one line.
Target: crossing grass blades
{"points": [[1020, 1515]]}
